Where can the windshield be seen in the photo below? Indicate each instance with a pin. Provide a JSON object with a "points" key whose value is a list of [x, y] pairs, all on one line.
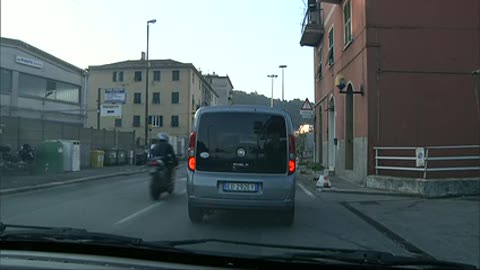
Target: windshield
{"points": [[262, 138], [324, 124]]}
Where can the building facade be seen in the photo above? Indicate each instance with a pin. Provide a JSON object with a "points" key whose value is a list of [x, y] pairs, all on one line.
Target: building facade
{"points": [[176, 91], [405, 69], [222, 85], [37, 85]]}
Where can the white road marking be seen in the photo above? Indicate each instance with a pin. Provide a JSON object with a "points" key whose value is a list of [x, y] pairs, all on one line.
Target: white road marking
{"points": [[182, 192], [138, 213], [183, 179], [302, 187]]}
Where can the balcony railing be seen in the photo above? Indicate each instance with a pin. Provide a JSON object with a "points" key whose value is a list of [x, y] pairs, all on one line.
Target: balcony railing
{"points": [[312, 28]]}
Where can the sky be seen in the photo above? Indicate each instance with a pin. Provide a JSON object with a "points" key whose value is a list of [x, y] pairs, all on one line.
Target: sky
{"points": [[247, 39]]}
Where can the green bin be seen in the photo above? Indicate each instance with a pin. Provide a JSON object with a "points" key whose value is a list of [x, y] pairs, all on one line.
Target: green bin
{"points": [[110, 158], [96, 158], [50, 157]]}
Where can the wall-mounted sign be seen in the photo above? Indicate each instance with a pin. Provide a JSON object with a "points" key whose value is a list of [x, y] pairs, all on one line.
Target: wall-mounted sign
{"points": [[28, 61], [115, 95], [111, 110], [420, 156]]}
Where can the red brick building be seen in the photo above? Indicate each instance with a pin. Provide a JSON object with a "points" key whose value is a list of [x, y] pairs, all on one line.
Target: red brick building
{"points": [[409, 64]]}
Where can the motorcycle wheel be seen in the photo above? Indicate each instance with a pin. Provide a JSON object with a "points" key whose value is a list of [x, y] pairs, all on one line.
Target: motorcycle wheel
{"points": [[171, 188], [155, 190]]}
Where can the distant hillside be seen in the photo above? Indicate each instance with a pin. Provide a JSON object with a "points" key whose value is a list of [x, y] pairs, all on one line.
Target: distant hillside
{"points": [[291, 106]]}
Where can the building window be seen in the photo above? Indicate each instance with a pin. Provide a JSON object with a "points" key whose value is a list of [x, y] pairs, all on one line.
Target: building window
{"points": [[156, 98], [5, 80], [175, 98], [117, 76], [30, 85], [138, 76], [136, 120], [347, 22], [320, 62], [175, 121], [175, 75], [156, 75], [118, 122], [331, 48], [155, 120], [137, 98]]}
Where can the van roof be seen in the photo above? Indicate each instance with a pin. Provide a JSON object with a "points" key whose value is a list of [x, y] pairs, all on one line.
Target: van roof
{"points": [[245, 108], [241, 108]]}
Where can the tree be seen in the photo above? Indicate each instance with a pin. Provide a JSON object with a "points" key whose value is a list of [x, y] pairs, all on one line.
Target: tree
{"points": [[291, 106]]}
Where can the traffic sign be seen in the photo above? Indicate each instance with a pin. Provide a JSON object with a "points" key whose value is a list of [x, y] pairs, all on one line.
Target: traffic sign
{"points": [[307, 105], [306, 111]]}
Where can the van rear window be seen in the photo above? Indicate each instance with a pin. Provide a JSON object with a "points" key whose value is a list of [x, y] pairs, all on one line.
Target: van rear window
{"points": [[242, 142]]}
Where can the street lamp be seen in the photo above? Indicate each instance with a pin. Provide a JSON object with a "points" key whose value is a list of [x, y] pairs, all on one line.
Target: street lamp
{"points": [[272, 76], [146, 84], [47, 94], [282, 67]]}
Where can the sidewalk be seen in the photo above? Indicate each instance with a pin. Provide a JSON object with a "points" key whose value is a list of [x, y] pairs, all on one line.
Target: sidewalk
{"points": [[25, 182], [341, 185]]}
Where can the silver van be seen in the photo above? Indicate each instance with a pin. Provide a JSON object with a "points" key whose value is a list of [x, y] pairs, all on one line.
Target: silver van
{"points": [[241, 157]]}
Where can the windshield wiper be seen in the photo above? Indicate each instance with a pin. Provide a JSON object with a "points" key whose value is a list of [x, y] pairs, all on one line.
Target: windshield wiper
{"points": [[75, 235], [39, 233], [372, 258], [322, 255]]}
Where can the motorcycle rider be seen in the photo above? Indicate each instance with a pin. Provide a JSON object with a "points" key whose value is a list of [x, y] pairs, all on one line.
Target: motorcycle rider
{"points": [[26, 153], [164, 150]]}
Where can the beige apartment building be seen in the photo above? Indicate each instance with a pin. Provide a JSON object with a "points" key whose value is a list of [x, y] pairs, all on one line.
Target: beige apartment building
{"points": [[176, 91]]}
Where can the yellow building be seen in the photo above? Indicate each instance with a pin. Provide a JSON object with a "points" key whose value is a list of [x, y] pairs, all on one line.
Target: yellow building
{"points": [[176, 90]]}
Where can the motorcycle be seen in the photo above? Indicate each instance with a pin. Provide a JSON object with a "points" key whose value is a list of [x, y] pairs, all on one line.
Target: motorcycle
{"points": [[162, 179], [22, 162]]}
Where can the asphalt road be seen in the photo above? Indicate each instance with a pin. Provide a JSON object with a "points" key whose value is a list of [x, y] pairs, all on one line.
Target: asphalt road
{"points": [[123, 206]]}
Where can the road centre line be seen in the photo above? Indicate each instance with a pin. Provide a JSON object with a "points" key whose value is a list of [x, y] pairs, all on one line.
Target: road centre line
{"points": [[302, 187], [138, 213]]}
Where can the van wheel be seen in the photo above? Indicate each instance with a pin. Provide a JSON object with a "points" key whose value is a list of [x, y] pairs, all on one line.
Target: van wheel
{"points": [[195, 214], [287, 217]]}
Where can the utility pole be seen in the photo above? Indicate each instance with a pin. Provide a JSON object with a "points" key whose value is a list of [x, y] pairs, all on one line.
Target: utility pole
{"points": [[98, 107]]}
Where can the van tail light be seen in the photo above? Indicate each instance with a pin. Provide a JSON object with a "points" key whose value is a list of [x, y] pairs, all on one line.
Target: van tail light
{"points": [[191, 151], [292, 165]]}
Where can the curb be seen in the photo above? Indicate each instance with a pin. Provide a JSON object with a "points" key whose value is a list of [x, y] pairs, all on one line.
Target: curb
{"points": [[365, 192], [312, 186], [67, 182]]}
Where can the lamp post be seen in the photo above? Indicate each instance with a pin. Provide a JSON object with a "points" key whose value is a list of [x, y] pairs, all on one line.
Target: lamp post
{"points": [[47, 94], [283, 68], [146, 83], [272, 76]]}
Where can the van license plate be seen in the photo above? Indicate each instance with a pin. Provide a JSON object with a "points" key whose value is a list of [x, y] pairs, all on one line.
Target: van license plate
{"points": [[241, 187]]}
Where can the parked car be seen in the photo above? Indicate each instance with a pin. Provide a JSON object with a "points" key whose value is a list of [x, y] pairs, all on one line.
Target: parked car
{"points": [[241, 157], [141, 156]]}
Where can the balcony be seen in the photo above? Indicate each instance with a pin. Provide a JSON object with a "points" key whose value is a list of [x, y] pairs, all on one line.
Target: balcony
{"points": [[312, 28]]}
